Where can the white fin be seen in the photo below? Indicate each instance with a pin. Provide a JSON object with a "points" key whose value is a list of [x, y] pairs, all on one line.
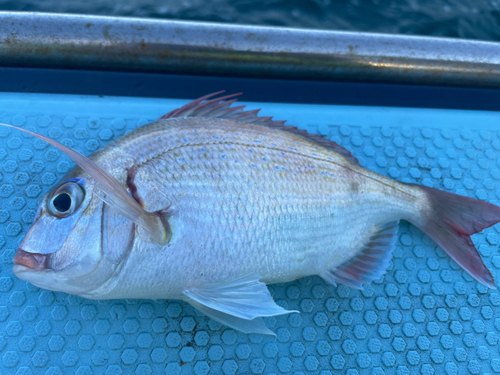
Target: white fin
{"points": [[256, 325], [112, 192], [244, 298], [370, 264]]}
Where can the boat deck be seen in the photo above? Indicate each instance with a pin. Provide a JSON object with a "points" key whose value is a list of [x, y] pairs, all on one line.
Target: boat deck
{"points": [[426, 315]]}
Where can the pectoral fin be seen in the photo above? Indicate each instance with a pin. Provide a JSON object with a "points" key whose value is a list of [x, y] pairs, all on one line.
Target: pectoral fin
{"points": [[111, 191], [370, 264], [239, 303]]}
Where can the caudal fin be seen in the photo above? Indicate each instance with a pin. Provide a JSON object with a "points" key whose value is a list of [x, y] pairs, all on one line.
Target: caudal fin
{"points": [[452, 220]]}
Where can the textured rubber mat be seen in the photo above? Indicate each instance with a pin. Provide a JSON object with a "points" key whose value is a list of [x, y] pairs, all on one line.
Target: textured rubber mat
{"points": [[425, 316]]}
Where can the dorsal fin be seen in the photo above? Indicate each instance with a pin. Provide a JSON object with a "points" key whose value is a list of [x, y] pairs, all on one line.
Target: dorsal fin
{"points": [[370, 264], [221, 108]]}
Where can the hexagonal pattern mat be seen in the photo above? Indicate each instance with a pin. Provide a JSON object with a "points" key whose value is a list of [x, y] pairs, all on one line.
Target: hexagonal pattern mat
{"points": [[425, 316]]}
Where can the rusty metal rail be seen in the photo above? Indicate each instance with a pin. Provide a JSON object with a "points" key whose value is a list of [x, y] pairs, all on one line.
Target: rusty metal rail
{"points": [[150, 45]]}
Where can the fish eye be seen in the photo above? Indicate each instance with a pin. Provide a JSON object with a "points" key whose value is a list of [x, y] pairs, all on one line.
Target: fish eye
{"points": [[66, 199], [62, 202]]}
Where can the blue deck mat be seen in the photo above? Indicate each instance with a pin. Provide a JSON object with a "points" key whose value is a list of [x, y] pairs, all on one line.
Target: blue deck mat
{"points": [[425, 316]]}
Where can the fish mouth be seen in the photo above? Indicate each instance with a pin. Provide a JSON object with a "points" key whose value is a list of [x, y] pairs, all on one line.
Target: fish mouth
{"points": [[29, 261]]}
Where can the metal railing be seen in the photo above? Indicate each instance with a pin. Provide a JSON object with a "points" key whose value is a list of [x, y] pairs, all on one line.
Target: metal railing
{"points": [[151, 45]]}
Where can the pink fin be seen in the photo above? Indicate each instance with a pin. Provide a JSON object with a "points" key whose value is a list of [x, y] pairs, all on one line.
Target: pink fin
{"points": [[451, 222], [221, 108], [370, 264]]}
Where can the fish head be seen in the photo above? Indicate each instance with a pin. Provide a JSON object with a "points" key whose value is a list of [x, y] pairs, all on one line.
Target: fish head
{"points": [[76, 242]]}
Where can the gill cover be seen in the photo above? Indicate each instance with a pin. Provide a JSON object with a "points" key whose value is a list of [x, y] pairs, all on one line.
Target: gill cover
{"points": [[111, 192]]}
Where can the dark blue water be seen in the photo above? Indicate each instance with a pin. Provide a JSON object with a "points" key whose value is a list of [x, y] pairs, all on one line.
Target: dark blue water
{"points": [[473, 19]]}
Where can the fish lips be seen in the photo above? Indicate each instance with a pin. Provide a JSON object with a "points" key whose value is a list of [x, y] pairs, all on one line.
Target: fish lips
{"points": [[33, 268], [31, 261]]}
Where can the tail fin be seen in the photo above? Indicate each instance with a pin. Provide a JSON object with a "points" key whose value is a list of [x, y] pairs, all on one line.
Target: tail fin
{"points": [[452, 220]]}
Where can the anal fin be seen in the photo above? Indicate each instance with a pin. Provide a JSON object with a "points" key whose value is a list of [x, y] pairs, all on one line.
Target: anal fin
{"points": [[370, 264]]}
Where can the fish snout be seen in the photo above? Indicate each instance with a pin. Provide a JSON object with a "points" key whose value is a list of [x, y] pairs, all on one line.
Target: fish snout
{"points": [[34, 261]]}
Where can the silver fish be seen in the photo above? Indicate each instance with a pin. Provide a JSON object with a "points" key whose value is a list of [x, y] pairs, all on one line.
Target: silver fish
{"points": [[210, 203]]}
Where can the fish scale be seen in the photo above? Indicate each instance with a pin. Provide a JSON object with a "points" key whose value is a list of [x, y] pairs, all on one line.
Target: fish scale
{"points": [[304, 206], [332, 317], [193, 181]]}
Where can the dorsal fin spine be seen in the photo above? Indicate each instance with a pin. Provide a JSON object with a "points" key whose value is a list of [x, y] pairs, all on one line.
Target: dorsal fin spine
{"points": [[210, 104], [221, 108], [216, 108]]}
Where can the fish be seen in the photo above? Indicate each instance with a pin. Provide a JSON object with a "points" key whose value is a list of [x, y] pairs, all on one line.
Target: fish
{"points": [[211, 203]]}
